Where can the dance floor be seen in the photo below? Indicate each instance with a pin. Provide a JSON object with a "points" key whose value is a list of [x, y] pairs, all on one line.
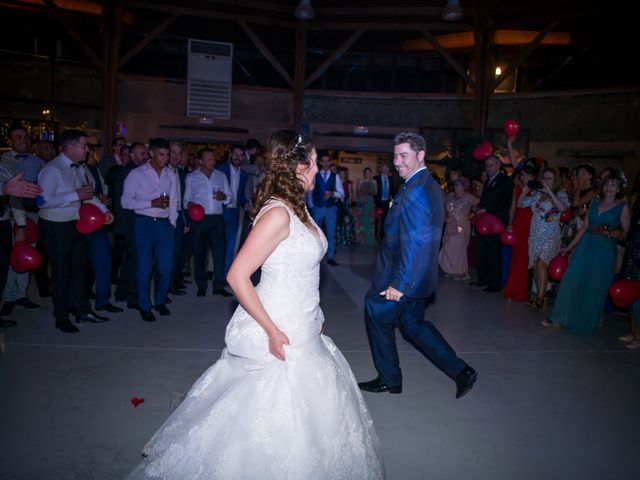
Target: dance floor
{"points": [[547, 404]]}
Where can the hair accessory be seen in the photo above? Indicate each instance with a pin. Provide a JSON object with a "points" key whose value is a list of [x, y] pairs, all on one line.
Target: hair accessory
{"points": [[298, 141]]}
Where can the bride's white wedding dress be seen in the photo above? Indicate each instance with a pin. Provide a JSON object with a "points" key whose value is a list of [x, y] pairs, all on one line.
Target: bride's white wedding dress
{"points": [[252, 416]]}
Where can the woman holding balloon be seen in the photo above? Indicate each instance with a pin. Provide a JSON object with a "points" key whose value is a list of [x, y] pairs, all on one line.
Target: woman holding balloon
{"points": [[547, 202], [584, 287]]}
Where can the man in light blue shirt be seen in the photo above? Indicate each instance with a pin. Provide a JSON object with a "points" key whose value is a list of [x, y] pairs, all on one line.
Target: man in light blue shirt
{"points": [[19, 160]]}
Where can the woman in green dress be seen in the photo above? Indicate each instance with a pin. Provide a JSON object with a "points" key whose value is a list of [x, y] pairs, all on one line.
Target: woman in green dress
{"points": [[365, 229], [584, 287]]}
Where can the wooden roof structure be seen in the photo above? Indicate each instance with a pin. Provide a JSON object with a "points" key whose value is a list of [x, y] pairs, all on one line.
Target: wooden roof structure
{"points": [[562, 44]]}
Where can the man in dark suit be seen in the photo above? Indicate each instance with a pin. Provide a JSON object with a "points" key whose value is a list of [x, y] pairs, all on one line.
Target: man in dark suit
{"points": [[115, 158], [234, 211], [127, 289], [496, 199], [406, 275], [183, 223], [385, 192]]}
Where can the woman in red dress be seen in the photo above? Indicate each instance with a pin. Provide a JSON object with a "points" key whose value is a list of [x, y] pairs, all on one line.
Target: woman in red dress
{"points": [[517, 287]]}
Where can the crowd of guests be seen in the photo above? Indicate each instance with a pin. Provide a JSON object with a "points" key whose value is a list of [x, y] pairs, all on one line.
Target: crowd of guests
{"points": [[548, 212], [148, 237], [147, 190]]}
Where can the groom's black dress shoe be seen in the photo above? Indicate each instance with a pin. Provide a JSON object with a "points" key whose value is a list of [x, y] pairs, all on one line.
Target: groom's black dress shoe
{"points": [[478, 284], [465, 381], [376, 386]]}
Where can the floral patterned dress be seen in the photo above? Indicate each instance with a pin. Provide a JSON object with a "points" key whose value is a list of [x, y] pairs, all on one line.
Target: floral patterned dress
{"points": [[545, 236]]}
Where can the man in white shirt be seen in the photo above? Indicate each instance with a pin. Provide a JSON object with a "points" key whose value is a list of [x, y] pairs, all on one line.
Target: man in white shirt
{"points": [[64, 188], [327, 191], [209, 188], [150, 190]]}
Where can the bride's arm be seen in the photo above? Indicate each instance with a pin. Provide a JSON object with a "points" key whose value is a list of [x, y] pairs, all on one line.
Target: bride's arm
{"points": [[271, 229]]}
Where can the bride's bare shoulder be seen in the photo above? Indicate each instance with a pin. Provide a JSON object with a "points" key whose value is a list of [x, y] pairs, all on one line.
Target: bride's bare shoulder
{"points": [[274, 216]]}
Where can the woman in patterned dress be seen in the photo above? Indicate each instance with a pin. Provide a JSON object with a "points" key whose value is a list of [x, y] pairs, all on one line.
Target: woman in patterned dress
{"points": [[547, 204]]}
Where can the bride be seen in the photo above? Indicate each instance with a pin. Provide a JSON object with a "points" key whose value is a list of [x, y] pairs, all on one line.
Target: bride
{"points": [[281, 402]]}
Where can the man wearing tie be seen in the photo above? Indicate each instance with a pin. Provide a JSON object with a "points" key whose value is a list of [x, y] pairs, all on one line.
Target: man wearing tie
{"points": [[496, 199], [382, 197], [209, 188], [64, 189], [19, 160], [182, 223], [124, 226], [407, 275], [238, 202], [327, 192], [150, 190]]}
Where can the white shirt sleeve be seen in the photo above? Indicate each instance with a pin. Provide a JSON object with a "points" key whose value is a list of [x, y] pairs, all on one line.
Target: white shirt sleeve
{"points": [[339, 193]]}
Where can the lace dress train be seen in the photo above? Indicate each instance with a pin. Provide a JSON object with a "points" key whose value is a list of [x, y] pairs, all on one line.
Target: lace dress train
{"points": [[253, 416]]}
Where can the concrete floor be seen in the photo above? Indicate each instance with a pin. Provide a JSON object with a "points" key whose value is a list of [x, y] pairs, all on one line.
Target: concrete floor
{"points": [[547, 404]]}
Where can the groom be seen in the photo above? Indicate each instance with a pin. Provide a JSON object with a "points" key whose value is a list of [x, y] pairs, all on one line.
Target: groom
{"points": [[407, 275]]}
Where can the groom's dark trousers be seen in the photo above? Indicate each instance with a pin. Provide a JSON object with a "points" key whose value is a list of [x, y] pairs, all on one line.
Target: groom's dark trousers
{"points": [[408, 262], [383, 316]]}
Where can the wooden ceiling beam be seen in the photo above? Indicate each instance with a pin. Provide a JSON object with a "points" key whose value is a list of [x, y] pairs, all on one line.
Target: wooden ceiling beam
{"points": [[208, 13], [391, 26], [266, 52], [383, 11], [525, 53], [166, 23], [258, 5], [299, 85], [447, 56], [74, 33], [333, 57], [483, 47]]}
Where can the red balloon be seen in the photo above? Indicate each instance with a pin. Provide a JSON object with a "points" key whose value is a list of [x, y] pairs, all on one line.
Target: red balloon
{"points": [[378, 212], [557, 266], [511, 127], [508, 237], [624, 292], [196, 212], [91, 218], [488, 223], [566, 215], [482, 151], [24, 257], [31, 232]]}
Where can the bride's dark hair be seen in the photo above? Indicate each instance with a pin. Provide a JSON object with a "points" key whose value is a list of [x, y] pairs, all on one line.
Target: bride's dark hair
{"points": [[284, 151]]}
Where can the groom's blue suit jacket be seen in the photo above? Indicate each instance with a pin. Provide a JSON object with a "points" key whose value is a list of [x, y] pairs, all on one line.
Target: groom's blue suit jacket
{"points": [[408, 258]]}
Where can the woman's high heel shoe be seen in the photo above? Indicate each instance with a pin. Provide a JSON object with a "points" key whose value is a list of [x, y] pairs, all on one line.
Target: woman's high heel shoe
{"points": [[539, 304]]}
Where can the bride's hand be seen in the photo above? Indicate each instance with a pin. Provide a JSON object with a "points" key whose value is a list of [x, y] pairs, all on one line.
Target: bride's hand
{"points": [[276, 342]]}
